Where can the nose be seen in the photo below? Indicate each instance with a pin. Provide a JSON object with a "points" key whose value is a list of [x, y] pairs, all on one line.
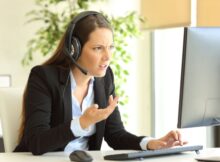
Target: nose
{"points": [[107, 54]]}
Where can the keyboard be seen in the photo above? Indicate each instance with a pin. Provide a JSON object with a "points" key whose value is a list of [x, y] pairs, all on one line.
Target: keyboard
{"points": [[151, 153]]}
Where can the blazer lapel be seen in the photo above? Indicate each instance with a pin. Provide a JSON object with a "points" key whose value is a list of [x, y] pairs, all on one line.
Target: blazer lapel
{"points": [[100, 99], [99, 90], [66, 93]]}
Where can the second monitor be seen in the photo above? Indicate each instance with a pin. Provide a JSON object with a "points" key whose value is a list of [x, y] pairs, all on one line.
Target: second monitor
{"points": [[199, 103]]}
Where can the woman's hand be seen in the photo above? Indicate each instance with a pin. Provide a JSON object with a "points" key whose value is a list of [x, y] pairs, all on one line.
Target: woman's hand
{"points": [[94, 115], [173, 138]]}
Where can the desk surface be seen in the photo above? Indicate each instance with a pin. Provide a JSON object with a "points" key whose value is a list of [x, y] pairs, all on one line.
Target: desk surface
{"points": [[98, 156]]}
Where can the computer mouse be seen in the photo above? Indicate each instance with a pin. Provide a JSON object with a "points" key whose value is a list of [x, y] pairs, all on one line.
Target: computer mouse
{"points": [[80, 156]]}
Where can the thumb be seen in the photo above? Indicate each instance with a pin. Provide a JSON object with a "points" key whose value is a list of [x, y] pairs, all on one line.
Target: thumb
{"points": [[95, 106]]}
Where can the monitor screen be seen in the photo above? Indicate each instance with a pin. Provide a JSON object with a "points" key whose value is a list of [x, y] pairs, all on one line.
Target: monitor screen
{"points": [[199, 103]]}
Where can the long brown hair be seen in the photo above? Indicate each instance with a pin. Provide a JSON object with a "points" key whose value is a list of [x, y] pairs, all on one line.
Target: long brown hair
{"points": [[82, 30]]}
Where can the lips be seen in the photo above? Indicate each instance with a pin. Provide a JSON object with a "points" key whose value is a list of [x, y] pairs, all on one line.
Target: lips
{"points": [[103, 66]]}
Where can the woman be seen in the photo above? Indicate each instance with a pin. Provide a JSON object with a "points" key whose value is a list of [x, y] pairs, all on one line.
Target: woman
{"points": [[70, 103]]}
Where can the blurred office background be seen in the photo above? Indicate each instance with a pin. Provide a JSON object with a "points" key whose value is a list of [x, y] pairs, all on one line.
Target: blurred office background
{"points": [[154, 72]]}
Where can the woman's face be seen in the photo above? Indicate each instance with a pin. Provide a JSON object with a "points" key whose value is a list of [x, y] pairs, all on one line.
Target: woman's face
{"points": [[97, 51]]}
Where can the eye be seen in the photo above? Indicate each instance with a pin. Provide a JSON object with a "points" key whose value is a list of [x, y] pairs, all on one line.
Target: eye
{"points": [[98, 48], [111, 48]]}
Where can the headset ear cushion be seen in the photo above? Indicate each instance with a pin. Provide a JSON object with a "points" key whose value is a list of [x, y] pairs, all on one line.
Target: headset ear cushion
{"points": [[75, 48]]}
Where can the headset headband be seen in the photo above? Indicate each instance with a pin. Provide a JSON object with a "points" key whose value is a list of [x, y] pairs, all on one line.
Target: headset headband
{"points": [[74, 22]]}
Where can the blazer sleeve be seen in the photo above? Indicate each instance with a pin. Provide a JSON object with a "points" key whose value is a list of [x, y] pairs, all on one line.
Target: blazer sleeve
{"points": [[115, 134], [40, 135]]}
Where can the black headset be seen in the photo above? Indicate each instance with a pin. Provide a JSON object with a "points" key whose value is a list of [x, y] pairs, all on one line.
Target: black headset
{"points": [[72, 43]]}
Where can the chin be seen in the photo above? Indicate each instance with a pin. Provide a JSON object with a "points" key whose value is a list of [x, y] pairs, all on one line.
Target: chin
{"points": [[100, 74]]}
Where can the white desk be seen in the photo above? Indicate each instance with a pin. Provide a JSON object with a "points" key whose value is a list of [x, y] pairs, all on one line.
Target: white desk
{"points": [[98, 157]]}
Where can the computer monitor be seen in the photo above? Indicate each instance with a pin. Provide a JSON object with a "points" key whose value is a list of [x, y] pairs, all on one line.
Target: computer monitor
{"points": [[199, 103]]}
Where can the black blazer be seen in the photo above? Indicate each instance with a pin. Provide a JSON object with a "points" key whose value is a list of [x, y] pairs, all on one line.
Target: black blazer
{"points": [[49, 113]]}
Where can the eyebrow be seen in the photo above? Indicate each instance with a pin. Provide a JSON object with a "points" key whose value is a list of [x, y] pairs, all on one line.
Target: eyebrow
{"points": [[101, 44]]}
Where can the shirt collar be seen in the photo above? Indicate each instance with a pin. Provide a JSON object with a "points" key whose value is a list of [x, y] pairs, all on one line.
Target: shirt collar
{"points": [[73, 81]]}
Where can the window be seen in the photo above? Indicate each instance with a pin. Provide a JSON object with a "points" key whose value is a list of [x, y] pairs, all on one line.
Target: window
{"points": [[167, 52]]}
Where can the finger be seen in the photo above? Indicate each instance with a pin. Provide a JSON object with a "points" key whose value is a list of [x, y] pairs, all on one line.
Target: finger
{"points": [[110, 100], [176, 143], [179, 137], [174, 135], [95, 106], [185, 142], [113, 101], [104, 113], [169, 136], [107, 111]]}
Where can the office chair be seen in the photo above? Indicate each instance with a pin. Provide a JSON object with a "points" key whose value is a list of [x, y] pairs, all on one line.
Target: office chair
{"points": [[10, 112]]}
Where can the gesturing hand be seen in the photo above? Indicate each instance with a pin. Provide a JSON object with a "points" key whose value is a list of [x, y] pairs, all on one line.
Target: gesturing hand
{"points": [[93, 115], [173, 138]]}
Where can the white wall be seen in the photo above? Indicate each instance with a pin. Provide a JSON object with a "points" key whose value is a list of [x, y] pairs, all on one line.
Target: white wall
{"points": [[143, 86], [14, 34], [167, 66]]}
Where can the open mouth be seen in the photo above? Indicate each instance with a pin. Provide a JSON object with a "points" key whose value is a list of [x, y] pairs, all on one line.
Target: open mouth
{"points": [[103, 67]]}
